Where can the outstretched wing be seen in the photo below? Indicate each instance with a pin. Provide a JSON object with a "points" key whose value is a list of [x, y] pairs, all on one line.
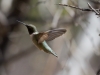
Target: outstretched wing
{"points": [[51, 34]]}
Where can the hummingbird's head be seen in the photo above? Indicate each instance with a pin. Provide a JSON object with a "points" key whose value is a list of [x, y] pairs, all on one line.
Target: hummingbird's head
{"points": [[31, 28]]}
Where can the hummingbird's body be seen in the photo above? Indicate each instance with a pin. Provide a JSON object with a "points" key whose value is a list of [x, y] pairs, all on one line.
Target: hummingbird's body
{"points": [[39, 39], [43, 45]]}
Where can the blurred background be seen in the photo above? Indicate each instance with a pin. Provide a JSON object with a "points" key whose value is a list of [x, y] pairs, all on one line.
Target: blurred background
{"points": [[78, 49]]}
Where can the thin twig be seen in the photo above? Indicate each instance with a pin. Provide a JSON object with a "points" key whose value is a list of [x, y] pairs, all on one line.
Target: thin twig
{"points": [[90, 6], [75, 7]]}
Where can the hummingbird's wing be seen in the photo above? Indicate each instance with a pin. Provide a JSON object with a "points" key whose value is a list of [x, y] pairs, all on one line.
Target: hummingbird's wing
{"points": [[51, 34]]}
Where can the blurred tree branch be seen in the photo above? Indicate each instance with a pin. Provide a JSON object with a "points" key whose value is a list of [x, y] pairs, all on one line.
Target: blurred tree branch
{"points": [[11, 23], [90, 8]]}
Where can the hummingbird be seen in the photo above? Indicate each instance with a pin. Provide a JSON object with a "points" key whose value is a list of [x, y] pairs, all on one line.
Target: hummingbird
{"points": [[39, 38]]}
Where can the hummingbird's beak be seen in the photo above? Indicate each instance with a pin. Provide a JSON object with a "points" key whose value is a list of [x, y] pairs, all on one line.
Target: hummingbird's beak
{"points": [[29, 27], [21, 22]]}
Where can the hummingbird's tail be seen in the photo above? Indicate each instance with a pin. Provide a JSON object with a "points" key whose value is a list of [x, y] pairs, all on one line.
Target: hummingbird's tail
{"points": [[53, 53], [50, 51]]}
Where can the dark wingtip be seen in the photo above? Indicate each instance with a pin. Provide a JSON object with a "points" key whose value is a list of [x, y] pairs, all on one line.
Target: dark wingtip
{"points": [[63, 30]]}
